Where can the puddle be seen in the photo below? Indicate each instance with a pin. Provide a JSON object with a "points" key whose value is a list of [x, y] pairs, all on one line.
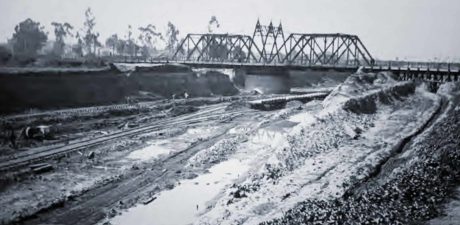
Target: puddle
{"points": [[153, 150], [303, 117], [201, 131], [164, 147], [179, 205]]}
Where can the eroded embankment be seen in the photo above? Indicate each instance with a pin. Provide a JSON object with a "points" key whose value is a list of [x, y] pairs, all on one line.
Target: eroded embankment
{"points": [[426, 172], [311, 79], [358, 128], [53, 88], [168, 80], [44, 89]]}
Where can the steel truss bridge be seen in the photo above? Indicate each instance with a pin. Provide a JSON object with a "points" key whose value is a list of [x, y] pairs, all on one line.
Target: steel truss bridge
{"points": [[268, 47]]}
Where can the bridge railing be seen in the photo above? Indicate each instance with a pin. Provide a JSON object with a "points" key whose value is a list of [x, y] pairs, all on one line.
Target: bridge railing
{"points": [[445, 66], [379, 65], [297, 62]]}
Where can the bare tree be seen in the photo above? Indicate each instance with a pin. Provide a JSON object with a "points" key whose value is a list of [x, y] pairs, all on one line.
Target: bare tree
{"points": [[91, 37], [61, 30], [148, 38], [78, 48], [171, 37], [130, 43]]}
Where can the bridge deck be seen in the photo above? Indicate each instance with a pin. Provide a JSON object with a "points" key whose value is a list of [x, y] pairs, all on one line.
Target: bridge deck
{"points": [[350, 68]]}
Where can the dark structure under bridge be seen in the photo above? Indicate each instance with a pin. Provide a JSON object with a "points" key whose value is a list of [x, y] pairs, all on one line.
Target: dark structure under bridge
{"points": [[267, 59]]}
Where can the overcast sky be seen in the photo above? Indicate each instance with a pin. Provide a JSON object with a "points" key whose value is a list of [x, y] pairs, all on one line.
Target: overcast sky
{"points": [[412, 29]]}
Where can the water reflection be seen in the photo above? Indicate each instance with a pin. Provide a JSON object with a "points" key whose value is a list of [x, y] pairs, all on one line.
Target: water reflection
{"points": [[184, 203]]}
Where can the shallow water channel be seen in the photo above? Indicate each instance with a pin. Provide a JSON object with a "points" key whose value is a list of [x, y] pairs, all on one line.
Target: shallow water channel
{"points": [[185, 202]]}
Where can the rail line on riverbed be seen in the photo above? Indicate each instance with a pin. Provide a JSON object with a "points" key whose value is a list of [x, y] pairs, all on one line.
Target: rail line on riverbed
{"points": [[31, 156]]}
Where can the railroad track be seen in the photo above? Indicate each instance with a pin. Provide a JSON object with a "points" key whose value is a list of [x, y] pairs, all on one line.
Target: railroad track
{"points": [[157, 104], [21, 160], [183, 118], [86, 110]]}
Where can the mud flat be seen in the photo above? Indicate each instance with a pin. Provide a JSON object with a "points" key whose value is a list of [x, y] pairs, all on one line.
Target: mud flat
{"points": [[101, 167], [102, 181], [225, 164]]}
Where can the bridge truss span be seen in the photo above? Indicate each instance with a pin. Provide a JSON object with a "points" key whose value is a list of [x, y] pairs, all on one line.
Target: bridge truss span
{"points": [[325, 49], [268, 45], [216, 48]]}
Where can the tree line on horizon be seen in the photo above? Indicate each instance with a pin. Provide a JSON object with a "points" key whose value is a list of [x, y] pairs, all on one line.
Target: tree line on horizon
{"points": [[29, 39]]}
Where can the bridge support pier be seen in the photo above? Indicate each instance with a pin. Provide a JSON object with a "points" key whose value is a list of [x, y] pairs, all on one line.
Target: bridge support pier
{"points": [[266, 80]]}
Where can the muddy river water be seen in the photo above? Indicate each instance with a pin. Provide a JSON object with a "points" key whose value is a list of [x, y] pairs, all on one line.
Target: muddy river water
{"points": [[185, 202]]}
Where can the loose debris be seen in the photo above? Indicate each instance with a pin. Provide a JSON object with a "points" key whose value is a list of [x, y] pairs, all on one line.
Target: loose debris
{"points": [[411, 196], [41, 168]]}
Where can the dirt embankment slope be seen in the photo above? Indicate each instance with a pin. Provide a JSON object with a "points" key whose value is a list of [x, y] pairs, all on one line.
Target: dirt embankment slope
{"points": [[316, 78], [358, 128], [411, 192], [44, 89], [53, 88], [168, 80]]}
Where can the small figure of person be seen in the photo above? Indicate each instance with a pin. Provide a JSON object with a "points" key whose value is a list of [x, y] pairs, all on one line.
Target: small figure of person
{"points": [[12, 136], [173, 100], [4, 134]]}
